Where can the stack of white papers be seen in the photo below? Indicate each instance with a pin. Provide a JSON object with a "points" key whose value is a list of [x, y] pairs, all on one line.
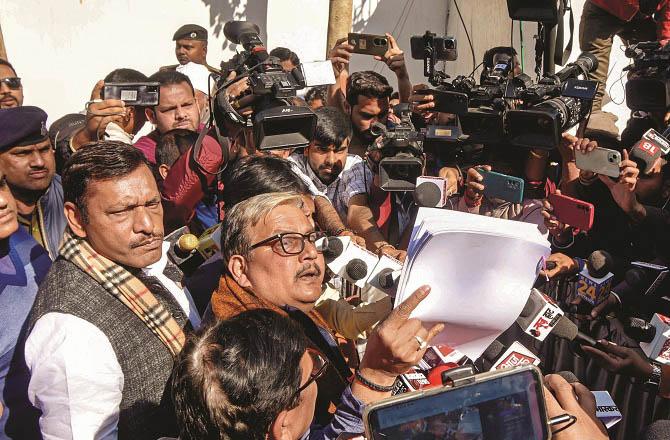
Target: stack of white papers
{"points": [[480, 270]]}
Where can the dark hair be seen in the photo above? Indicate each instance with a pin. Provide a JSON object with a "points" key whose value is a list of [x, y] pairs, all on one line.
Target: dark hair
{"points": [[233, 378], [4, 62], [254, 175], [369, 84], [173, 144], [395, 95], [170, 77], [284, 53], [318, 92], [332, 126], [95, 161], [125, 75]]}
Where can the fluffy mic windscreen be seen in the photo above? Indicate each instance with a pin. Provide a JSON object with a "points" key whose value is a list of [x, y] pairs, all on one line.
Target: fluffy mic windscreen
{"points": [[599, 264], [659, 430], [493, 351], [569, 376]]}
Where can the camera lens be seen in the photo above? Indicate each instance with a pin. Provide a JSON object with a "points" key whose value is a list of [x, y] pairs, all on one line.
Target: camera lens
{"points": [[379, 41]]}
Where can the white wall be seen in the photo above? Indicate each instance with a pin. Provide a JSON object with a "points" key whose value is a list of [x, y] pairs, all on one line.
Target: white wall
{"points": [[62, 47]]}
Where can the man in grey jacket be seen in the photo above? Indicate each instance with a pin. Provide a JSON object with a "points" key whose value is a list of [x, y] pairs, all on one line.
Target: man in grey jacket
{"points": [[28, 162]]}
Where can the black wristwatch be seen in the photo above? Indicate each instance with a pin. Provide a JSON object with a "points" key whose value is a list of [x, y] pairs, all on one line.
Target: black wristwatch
{"points": [[654, 379]]}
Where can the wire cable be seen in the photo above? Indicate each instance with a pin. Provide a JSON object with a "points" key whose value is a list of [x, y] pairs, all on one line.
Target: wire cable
{"points": [[467, 34]]}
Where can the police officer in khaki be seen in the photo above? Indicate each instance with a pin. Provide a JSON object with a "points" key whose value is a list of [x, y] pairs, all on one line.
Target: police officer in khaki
{"points": [[191, 47]]}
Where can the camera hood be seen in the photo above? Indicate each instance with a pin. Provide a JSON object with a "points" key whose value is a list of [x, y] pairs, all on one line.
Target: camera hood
{"points": [[284, 127], [399, 173], [234, 30], [534, 128]]}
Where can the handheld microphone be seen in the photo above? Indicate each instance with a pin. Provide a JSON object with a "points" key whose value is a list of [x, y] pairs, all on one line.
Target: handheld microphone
{"points": [[595, 279], [410, 381], [566, 329], [349, 260], [431, 192], [334, 248], [606, 410], [569, 376], [356, 269], [539, 315], [659, 430], [658, 348], [499, 356], [640, 330], [188, 252], [440, 355], [434, 376], [386, 275], [388, 278], [649, 148]]}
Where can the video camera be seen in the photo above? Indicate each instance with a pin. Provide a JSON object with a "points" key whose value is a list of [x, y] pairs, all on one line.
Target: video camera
{"points": [[648, 85], [556, 103], [401, 152], [277, 124]]}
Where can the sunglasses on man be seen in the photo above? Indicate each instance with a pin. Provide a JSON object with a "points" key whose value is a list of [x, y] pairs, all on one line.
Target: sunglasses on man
{"points": [[13, 83]]}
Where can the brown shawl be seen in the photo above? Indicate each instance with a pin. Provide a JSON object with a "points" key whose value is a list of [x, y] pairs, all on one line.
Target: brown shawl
{"points": [[231, 299]]}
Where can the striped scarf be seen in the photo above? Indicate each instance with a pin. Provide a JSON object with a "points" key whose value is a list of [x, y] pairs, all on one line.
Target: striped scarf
{"points": [[125, 287]]}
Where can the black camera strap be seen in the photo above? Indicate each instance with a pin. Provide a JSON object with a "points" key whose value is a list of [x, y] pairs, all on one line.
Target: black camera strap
{"points": [[562, 53]]}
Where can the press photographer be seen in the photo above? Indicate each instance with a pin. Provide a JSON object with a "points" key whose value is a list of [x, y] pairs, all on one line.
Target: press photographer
{"points": [[632, 21]]}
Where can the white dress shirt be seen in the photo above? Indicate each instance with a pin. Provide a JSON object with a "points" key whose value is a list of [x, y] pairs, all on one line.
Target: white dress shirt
{"points": [[76, 380]]}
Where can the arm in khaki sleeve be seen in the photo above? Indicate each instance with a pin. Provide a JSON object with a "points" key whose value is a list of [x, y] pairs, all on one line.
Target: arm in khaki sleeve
{"points": [[347, 320]]}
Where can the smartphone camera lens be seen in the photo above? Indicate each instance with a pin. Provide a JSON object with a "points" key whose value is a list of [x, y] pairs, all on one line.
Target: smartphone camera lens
{"points": [[380, 42]]}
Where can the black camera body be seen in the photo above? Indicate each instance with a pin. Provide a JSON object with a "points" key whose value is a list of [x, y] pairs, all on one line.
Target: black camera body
{"points": [[277, 124], [432, 48], [648, 85], [555, 104], [401, 148], [273, 81]]}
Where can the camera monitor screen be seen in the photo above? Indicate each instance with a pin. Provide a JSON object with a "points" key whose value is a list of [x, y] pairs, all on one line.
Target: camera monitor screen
{"points": [[502, 408]]}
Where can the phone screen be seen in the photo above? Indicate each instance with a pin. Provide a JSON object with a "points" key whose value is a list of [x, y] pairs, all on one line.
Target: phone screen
{"points": [[503, 408]]}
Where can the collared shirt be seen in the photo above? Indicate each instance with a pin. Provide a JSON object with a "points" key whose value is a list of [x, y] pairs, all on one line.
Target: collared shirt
{"points": [[348, 419], [76, 380], [31, 224], [355, 178]]}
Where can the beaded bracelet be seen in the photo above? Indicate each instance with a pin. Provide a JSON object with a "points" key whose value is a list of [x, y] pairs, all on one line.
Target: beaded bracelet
{"points": [[371, 385]]}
